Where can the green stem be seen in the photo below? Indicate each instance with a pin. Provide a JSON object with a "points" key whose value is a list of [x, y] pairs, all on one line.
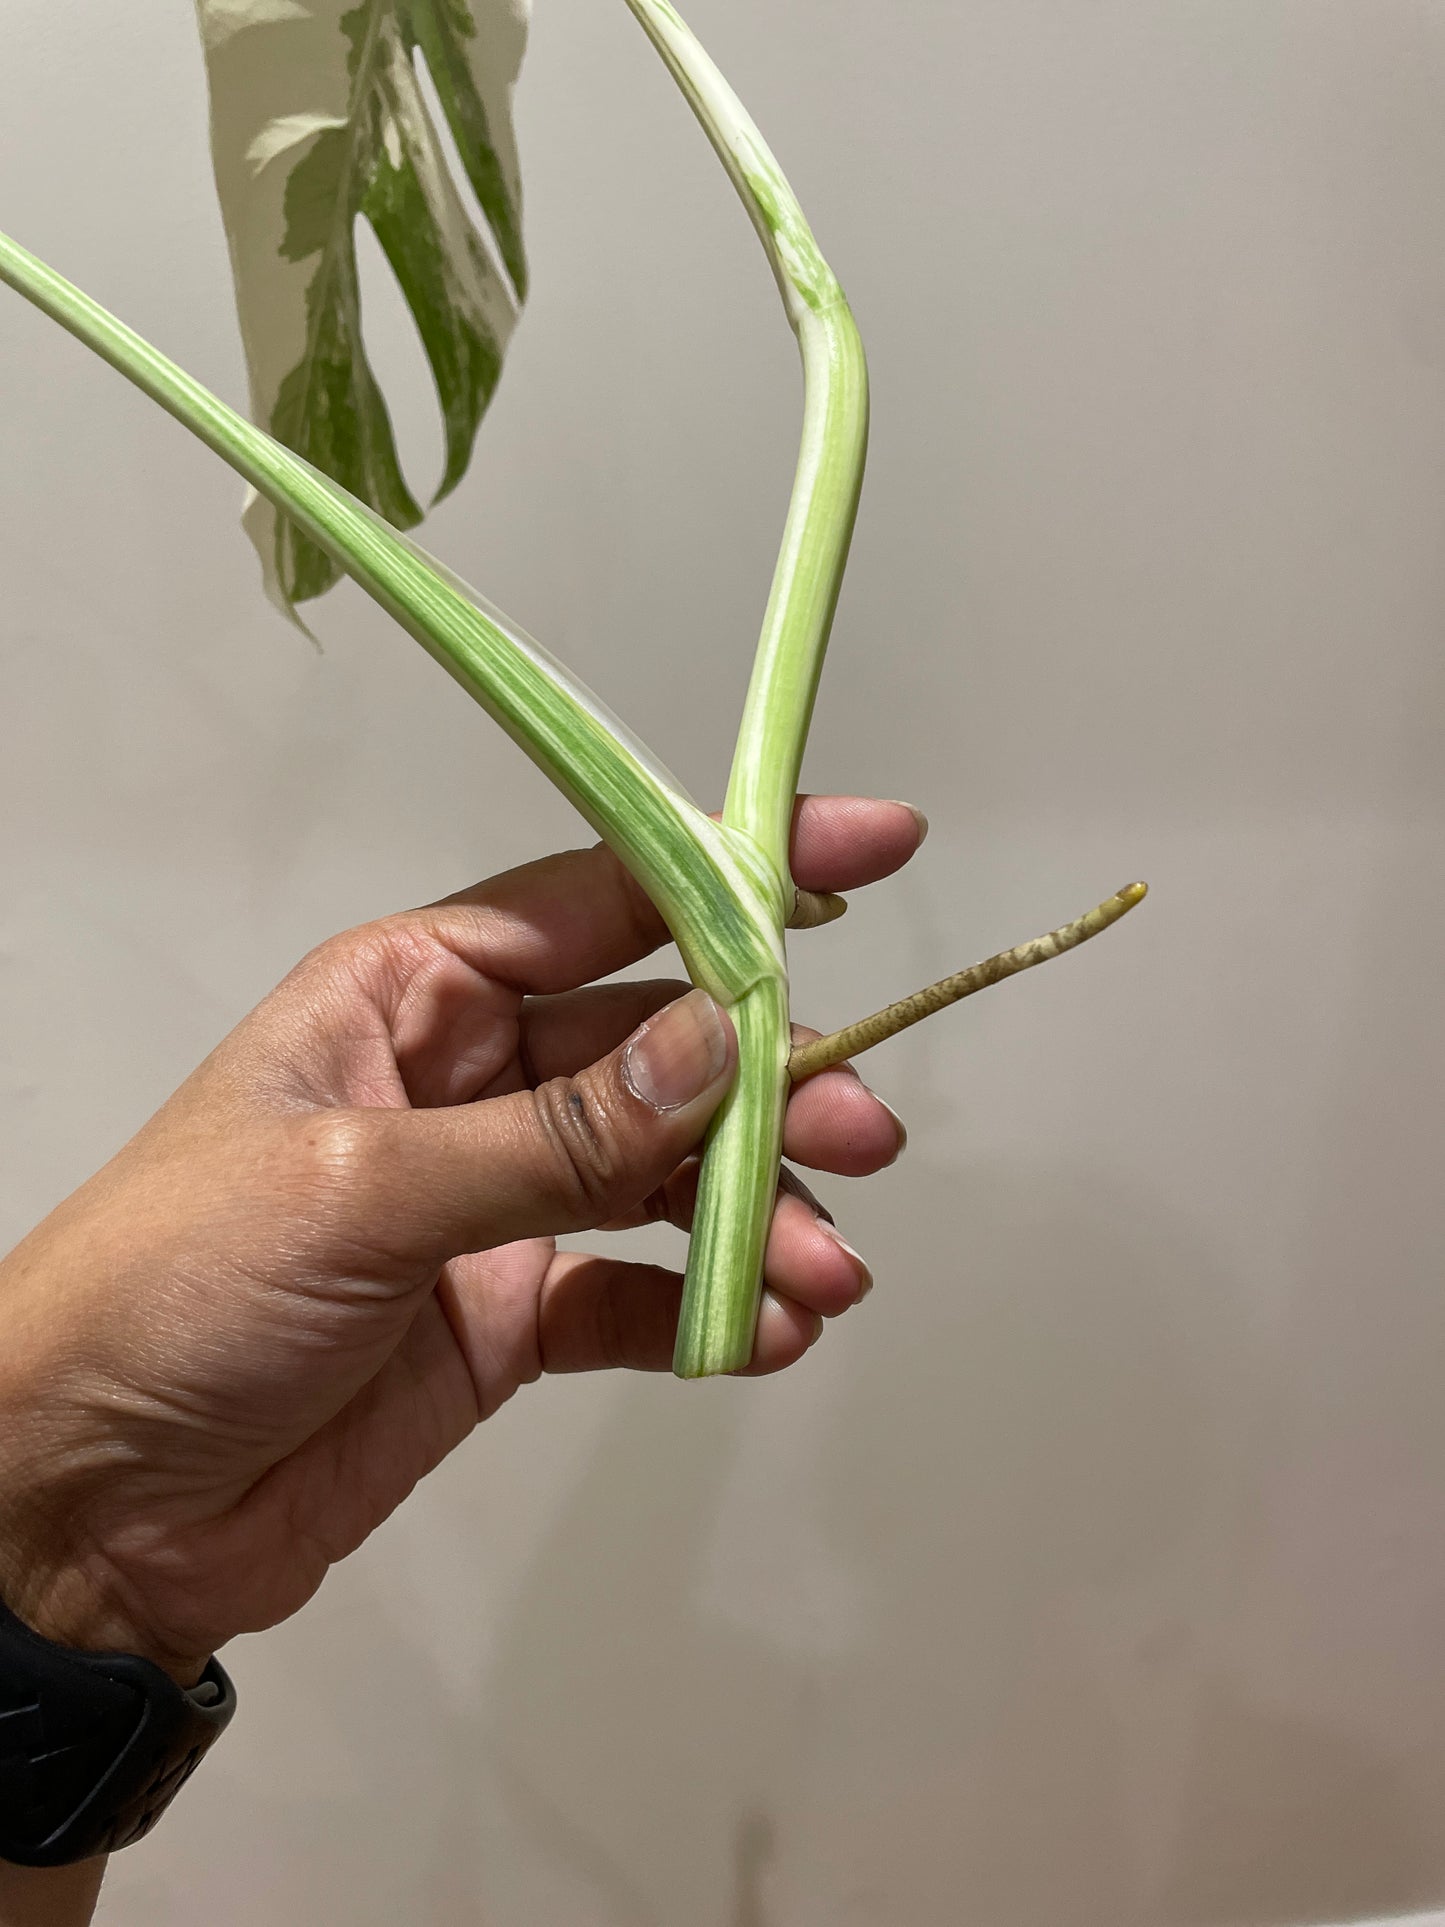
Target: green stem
{"points": [[799, 619], [735, 1193], [725, 890], [707, 889], [735, 1200]]}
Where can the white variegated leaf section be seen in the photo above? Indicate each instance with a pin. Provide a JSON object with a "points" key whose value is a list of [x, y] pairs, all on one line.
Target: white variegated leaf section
{"points": [[318, 120]]}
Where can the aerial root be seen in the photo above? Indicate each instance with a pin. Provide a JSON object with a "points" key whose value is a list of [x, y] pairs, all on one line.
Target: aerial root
{"points": [[808, 1059]]}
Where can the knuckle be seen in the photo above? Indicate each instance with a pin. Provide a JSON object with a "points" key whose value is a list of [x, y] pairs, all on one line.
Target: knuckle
{"points": [[343, 954], [580, 1138], [334, 1154], [379, 955], [345, 1192]]}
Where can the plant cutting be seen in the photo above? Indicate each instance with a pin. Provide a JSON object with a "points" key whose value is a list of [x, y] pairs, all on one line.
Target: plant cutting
{"points": [[305, 147]]}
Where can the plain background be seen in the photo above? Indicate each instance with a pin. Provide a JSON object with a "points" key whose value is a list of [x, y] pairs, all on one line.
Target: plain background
{"points": [[1095, 1571]]}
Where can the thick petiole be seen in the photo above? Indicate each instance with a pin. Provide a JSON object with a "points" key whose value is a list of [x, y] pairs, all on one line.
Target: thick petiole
{"points": [[724, 1264]]}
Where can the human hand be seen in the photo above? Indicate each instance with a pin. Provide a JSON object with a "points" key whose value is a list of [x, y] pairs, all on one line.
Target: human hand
{"points": [[230, 1355]]}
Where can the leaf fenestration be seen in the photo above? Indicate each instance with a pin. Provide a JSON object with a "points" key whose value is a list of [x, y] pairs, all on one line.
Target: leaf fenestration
{"points": [[318, 119]]}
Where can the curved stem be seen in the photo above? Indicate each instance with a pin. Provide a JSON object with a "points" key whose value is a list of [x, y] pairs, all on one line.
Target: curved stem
{"points": [[806, 586], [831, 460], [724, 1270], [708, 889], [725, 890]]}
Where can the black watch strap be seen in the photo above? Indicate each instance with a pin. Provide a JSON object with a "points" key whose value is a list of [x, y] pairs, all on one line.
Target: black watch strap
{"points": [[93, 1746]]}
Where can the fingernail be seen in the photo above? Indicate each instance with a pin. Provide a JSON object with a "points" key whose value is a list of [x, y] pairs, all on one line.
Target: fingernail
{"points": [[902, 1127], [919, 818], [792, 1186], [772, 1302], [677, 1054], [865, 1276]]}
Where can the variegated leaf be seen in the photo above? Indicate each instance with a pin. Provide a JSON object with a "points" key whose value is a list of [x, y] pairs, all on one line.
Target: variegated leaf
{"points": [[318, 119]]}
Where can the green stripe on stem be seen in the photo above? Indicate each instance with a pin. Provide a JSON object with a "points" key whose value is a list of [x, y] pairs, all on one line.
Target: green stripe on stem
{"points": [[724, 890], [735, 1204], [735, 1195], [710, 900]]}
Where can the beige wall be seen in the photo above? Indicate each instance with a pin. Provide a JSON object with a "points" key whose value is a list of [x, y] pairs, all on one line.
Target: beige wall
{"points": [[1095, 1572]]}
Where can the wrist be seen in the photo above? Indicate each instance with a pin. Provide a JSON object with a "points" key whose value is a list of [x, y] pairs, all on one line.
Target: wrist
{"points": [[55, 1574], [66, 1607], [49, 1896], [59, 1584], [97, 1744]]}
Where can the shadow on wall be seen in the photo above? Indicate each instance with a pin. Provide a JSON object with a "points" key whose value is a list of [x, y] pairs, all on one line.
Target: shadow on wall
{"points": [[1036, 1477], [1032, 1466], [1285, 1822]]}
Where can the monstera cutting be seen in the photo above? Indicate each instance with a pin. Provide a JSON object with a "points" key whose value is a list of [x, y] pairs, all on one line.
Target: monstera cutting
{"points": [[321, 118]]}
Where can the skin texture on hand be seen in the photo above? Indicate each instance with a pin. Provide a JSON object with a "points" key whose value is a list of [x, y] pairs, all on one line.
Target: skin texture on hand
{"points": [[232, 1353]]}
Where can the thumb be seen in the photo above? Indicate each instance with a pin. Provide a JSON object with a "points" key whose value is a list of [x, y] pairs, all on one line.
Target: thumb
{"points": [[564, 1157]]}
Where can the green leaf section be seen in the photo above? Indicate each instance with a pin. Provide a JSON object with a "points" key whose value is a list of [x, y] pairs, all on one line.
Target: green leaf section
{"points": [[442, 29], [354, 130]]}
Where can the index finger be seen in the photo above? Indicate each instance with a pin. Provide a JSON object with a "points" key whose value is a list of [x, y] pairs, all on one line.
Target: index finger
{"points": [[567, 920]]}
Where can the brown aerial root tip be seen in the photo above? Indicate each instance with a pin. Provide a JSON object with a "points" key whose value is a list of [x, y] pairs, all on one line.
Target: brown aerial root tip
{"points": [[812, 909], [808, 1059]]}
